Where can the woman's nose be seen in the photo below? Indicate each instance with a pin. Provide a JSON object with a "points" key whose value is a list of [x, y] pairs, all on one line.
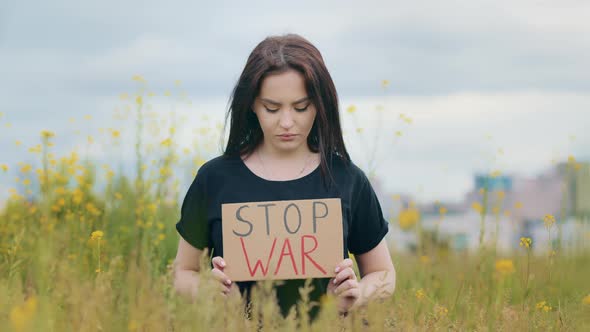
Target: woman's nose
{"points": [[286, 120]]}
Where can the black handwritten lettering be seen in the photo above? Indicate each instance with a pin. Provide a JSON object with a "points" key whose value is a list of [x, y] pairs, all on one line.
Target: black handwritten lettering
{"points": [[315, 217], [266, 216], [299, 218], [239, 217]]}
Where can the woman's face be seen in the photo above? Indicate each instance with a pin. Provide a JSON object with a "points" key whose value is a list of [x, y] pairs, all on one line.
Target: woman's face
{"points": [[283, 108]]}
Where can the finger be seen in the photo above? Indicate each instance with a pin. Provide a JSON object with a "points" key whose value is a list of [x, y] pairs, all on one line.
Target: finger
{"points": [[345, 274], [353, 293], [227, 291], [218, 262], [342, 265], [345, 286], [224, 289], [221, 277]]}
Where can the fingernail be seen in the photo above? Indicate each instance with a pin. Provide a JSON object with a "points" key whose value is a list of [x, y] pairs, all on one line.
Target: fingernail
{"points": [[228, 282], [334, 281], [222, 263], [337, 268]]}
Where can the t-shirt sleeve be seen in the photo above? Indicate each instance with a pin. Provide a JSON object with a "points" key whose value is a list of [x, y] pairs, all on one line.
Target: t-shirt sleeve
{"points": [[368, 226], [193, 224]]}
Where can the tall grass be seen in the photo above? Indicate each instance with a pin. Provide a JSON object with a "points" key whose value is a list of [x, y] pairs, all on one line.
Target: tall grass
{"points": [[76, 256]]}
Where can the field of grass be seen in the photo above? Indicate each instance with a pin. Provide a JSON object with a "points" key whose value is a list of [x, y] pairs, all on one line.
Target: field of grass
{"points": [[76, 256]]}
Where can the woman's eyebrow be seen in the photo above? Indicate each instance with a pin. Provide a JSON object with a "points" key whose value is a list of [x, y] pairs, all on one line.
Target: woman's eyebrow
{"points": [[278, 104]]}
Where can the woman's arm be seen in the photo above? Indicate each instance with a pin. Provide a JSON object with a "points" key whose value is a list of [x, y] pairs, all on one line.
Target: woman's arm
{"points": [[187, 274], [186, 269], [377, 274], [378, 279]]}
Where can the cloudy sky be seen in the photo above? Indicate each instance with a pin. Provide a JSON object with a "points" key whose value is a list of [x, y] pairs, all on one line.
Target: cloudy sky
{"points": [[487, 84]]}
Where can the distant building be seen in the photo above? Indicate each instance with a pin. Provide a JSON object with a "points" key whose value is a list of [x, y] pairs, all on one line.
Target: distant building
{"points": [[577, 177], [519, 204]]}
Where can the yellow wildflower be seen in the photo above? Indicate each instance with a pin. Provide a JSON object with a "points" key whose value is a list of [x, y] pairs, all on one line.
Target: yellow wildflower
{"points": [[496, 210], [477, 207], [139, 100], [35, 149], [25, 168], [351, 109], [47, 134], [442, 210], [385, 83], [407, 218], [424, 259], [441, 311], [92, 209], [4, 167], [549, 220], [504, 266], [115, 133], [518, 205], [132, 325], [166, 142], [420, 294], [571, 159], [398, 133], [96, 235], [543, 306], [586, 300], [495, 173], [21, 316], [138, 78], [526, 242]]}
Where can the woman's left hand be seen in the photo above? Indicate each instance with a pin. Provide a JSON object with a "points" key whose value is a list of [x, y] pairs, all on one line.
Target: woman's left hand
{"points": [[345, 286]]}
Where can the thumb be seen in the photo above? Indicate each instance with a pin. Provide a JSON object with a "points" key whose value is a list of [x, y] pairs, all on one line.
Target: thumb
{"points": [[218, 262]]}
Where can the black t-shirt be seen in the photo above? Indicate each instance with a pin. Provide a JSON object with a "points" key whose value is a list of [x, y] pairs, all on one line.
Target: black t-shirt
{"points": [[226, 179]]}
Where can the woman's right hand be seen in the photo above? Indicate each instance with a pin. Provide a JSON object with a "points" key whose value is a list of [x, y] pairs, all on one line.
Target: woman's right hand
{"points": [[227, 287]]}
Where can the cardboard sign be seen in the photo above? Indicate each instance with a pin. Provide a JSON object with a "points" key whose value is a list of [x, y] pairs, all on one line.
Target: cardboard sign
{"points": [[282, 239]]}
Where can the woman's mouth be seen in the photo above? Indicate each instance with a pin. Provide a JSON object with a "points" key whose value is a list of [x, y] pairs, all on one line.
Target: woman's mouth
{"points": [[287, 137]]}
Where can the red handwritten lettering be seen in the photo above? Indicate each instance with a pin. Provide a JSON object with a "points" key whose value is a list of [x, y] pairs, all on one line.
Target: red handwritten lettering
{"points": [[258, 262], [286, 244], [305, 254]]}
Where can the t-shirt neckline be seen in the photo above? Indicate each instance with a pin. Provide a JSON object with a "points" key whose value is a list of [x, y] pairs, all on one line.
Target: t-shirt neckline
{"points": [[310, 174]]}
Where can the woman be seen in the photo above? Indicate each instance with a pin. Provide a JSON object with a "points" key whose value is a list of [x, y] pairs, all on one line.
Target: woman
{"points": [[285, 143]]}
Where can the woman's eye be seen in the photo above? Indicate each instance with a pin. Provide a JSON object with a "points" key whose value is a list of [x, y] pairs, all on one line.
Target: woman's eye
{"points": [[297, 109]]}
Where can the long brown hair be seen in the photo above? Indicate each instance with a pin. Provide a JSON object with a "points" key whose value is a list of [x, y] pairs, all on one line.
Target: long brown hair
{"points": [[273, 55]]}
